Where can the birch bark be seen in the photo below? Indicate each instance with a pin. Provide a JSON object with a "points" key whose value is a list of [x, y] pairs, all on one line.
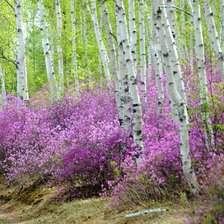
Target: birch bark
{"points": [[142, 53], [214, 36], [133, 32], [101, 46], [149, 52], [183, 27], [171, 15], [74, 58], [47, 52], [59, 49], [22, 84], [165, 34], [158, 72], [137, 110], [113, 65], [200, 55], [3, 90], [85, 40], [222, 24], [175, 58], [126, 102]]}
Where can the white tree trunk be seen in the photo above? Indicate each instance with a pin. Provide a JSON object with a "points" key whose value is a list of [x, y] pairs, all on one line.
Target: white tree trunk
{"points": [[149, 52], [126, 101], [47, 53], [200, 55], [100, 69], [101, 46], [137, 110], [125, 98], [191, 52], [3, 90], [85, 41], [113, 65], [158, 72], [214, 36], [74, 58], [150, 59], [142, 53], [59, 49], [22, 83], [183, 28], [165, 35], [171, 17], [222, 24], [133, 32], [110, 38], [175, 59], [173, 105]]}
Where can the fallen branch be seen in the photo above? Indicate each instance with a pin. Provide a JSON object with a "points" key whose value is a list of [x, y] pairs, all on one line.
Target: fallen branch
{"points": [[145, 212]]}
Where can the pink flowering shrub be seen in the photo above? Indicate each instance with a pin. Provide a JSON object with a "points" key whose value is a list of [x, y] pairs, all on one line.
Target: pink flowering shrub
{"points": [[91, 139], [78, 142], [23, 138], [160, 173]]}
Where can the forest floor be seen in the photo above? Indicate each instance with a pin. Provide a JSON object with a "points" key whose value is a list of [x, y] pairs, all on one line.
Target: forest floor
{"points": [[38, 205]]}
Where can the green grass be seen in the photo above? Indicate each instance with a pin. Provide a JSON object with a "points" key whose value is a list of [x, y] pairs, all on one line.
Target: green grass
{"points": [[42, 209]]}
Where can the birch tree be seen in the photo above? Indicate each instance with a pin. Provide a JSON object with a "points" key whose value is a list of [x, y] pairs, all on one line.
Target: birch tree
{"points": [[125, 96], [74, 57], [175, 58], [171, 17], [158, 70], [113, 59], [59, 49], [85, 39], [200, 55], [142, 52], [21, 68], [214, 36], [149, 62], [222, 24], [101, 46], [3, 90], [47, 48], [162, 25], [133, 32], [125, 41], [183, 27]]}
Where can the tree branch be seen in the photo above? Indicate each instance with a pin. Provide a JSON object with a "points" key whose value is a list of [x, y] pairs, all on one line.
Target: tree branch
{"points": [[173, 6], [4, 17], [7, 59], [11, 6]]}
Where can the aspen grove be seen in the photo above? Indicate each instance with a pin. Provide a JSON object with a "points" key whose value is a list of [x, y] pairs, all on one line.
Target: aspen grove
{"points": [[113, 95]]}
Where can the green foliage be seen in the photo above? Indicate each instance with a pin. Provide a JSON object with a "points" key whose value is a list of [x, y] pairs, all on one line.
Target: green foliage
{"points": [[88, 59]]}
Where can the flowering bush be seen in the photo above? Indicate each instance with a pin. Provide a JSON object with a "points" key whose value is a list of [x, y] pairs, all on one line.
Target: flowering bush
{"points": [[92, 141], [78, 141], [70, 141], [24, 136], [160, 173]]}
